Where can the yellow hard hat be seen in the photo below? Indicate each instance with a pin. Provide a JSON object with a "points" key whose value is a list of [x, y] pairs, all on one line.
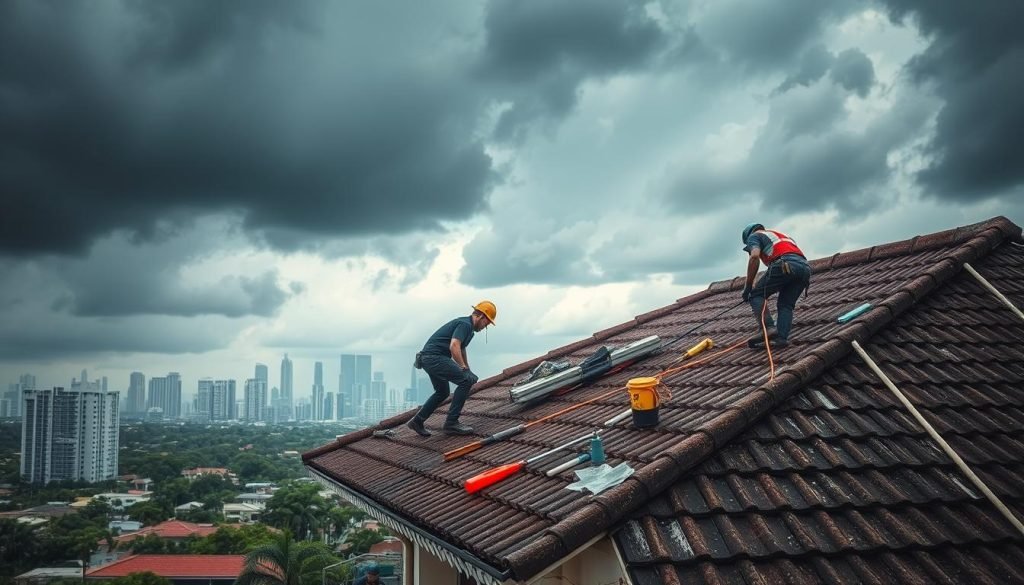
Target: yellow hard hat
{"points": [[488, 309]]}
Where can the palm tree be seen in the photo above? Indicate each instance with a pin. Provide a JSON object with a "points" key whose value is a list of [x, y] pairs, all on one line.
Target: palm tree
{"points": [[285, 562]]}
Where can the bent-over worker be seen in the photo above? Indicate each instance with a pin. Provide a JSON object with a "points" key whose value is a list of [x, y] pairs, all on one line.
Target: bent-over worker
{"points": [[445, 360], [787, 273]]}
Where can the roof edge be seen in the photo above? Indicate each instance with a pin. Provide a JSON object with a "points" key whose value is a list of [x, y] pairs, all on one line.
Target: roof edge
{"points": [[460, 559], [611, 506]]}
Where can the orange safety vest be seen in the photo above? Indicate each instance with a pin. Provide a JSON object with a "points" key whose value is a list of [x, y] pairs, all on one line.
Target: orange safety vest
{"points": [[781, 244]]}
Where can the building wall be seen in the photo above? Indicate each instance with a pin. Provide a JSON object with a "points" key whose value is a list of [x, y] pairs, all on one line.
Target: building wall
{"points": [[70, 435], [431, 570], [597, 565]]}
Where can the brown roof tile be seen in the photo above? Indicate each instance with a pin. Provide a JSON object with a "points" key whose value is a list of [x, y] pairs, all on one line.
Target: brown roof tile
{"points": [[817, 475]]}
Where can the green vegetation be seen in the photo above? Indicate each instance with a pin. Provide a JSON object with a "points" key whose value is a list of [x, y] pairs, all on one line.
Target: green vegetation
{"points": [[160, 452], [286, 562]]}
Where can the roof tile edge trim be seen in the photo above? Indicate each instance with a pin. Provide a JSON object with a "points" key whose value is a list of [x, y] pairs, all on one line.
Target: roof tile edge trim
{"points": [[459, 559], [614, 504]]}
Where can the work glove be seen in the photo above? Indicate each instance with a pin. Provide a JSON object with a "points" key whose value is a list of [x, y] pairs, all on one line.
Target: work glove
{"points": [[746, 293]]}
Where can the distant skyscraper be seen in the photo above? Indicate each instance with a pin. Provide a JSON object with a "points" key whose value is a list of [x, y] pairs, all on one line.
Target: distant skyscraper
{"points": [[70, 435], [204, 396], [287, 379], [165, 394], [317, 396], [136, 400], [222, 400], [354, 380], [378, 387], [329, 406], [261, 374], [255, 400], [27, 381]]}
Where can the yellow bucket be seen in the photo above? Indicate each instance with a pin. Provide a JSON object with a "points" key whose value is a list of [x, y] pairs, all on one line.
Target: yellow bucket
{"points": [[643, 398]]}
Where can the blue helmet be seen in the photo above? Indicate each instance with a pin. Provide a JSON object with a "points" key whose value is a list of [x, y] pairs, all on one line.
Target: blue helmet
{"points": [[372, 569], [749, 230]]}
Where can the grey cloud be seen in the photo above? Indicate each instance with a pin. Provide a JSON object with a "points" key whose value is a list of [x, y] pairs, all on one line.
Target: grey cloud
{"points": [[814, 64], [763, 35], [228, 107], [854, 71], [540, 52], [973, 62], [120, 279], [538, 253], [806, 159]]}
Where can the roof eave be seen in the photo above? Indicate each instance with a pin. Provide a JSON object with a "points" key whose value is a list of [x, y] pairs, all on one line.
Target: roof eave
{"points": [[460, 559]]}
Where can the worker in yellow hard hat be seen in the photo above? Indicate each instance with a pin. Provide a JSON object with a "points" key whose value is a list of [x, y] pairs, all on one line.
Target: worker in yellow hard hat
{"points": [[444, 359]]}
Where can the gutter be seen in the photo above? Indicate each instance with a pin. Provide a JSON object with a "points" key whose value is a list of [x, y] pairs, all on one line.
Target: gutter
{"points": [[461, 560]]}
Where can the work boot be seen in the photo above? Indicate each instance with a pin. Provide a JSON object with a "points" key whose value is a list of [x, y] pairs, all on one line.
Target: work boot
{"points": [[417, 425], [458, 428], [758, 340]]}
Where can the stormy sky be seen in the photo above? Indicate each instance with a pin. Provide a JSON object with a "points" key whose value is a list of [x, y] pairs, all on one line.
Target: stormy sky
{"points": [[198, 186]]}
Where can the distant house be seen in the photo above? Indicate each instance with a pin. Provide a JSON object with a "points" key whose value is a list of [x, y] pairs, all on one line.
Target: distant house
{"points": [[261, 487], [882, 449], [40, 514], [173, 530], [178, 569], [244, 513], [187, 507], [191, 474], [44, 575], [259, 500], [120, 501], [389, 546]]}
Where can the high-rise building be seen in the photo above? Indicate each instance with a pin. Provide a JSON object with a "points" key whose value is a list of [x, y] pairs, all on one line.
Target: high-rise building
{"points": [[354, 381], [27, 381], [10, 404], [136, 401], [204, 395], [287, 379], [222, 400], [70, 435], [378, 387], [165, 395], [317, 396], [262, 374], [329, 406], [255, 400]]}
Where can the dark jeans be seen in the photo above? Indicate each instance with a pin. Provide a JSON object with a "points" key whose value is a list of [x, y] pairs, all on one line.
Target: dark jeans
{"points": [[442, 370], [789, 284]]}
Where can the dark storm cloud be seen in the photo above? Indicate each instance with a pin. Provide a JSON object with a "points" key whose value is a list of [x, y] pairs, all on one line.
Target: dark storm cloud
{"points": [[165, 277], [121, 115], [543, 51], [539, 254], [974, 60], [808, 157], [766, 35], [854, 71], [814, 63]]}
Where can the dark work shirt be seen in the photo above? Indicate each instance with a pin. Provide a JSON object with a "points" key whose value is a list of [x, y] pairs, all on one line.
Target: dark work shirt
{"points": [[460, 328]]}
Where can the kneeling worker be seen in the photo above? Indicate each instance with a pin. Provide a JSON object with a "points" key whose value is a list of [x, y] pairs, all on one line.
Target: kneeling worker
{"points": [[444, 359]]}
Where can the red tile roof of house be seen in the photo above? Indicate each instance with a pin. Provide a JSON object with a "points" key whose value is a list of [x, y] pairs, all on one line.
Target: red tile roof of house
{"points": [[813, 476], [391, 545], [171, 529], [173, 566]]}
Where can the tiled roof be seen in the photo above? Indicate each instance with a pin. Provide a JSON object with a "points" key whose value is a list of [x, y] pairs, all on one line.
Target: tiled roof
{"points": [[171, 529], [814, 470], [173, 566]]}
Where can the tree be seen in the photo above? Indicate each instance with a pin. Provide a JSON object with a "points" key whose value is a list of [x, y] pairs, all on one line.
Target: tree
{"points": [[285, 562], [297, 507], [19, 547], [148, 512], [362, 539], [233, 541]]}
